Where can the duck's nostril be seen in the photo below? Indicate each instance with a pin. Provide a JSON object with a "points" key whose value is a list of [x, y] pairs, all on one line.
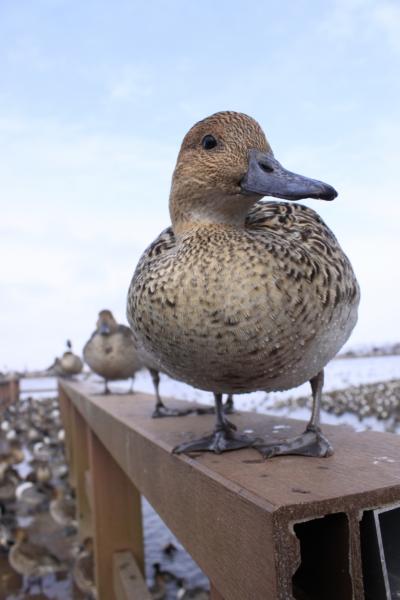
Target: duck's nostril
{"points": [[265, 167]]}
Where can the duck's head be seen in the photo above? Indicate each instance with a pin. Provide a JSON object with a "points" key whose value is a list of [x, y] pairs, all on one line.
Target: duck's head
{"points": [[21, 534], [106, 323], [225, 164]]}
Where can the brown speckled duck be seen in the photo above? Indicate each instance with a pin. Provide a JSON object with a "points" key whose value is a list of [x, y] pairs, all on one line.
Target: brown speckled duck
{"points": [[242, 295], [32, 560], [69, 364], [111, 350]]}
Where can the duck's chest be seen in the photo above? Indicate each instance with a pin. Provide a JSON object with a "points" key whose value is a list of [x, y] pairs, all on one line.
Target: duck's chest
{"points": [[227, 285]]}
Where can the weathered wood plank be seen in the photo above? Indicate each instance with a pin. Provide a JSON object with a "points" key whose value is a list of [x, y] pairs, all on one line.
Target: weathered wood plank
{"points": [[9, 392], [214, 593], [117, 519], [89, 487], [234, 513], [128, 580], [81, 466], [64, 403]]}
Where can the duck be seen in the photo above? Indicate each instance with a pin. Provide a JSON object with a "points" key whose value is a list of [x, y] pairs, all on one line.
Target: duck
{"points": [[83, 570], [111, 352], [41, 472], [32, 497], [63, 509], [161, 579], [186, 593], [32, 560], [68, 365], [242, 294], [9, 480]]}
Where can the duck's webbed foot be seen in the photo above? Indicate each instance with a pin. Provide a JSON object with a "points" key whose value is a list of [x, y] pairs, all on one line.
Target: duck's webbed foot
{"points": [[163, 411], [310, 443], [222, 439]]}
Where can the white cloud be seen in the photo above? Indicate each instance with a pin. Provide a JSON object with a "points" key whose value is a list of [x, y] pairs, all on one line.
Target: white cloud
{"points": [[80, 209], [363, 19], [130, 83]]}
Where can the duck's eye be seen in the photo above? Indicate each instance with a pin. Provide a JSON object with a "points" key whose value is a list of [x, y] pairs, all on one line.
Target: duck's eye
{"points": [[208, 142]]}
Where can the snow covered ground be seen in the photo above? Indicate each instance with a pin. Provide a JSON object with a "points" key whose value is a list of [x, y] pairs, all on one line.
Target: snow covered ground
{"points": [[339, 374]]}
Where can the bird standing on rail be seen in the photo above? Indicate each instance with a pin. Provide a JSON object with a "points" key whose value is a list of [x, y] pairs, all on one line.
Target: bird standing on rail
{"points": [[112, 353], [68, 365], [111, 350], [241, 295]]}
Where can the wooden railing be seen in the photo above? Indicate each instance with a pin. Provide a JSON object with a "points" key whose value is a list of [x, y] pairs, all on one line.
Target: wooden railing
{"points": [[289, 527], [9, 392]]}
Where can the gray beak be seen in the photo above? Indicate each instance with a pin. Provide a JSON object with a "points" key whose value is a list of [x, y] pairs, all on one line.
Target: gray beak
{"points": [[266, 176], [104, 329]]}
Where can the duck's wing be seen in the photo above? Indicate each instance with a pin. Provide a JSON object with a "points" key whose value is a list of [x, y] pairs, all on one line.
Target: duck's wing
{"points": [[163, 245], [290, 221], [39, 554], [305, 247], [126, 331]]}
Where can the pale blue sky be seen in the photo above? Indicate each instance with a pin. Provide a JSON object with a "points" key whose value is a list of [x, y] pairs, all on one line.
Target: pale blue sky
{"points": [[95, 98]]}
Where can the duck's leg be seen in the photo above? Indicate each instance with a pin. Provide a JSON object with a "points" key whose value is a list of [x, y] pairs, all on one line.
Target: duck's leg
{"points": [[229, 408], [223, 438], [131, 390], [161, 410], [106, 388], [310, 443]]}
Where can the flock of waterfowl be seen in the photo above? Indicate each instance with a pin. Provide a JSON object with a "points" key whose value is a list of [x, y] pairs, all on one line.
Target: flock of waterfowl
{"points": [[37, 525]]}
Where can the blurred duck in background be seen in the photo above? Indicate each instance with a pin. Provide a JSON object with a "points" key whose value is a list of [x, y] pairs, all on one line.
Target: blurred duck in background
{"points": [[31, 560], [83, 570], [111, 351], [68, 365]]}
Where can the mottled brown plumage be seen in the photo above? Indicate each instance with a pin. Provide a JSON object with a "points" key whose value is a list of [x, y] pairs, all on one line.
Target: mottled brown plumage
{"points": [[111, 350], [68, 365], [241, 295]]}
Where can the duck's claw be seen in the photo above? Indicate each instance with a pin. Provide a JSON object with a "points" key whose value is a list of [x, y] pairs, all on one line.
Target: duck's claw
{"points": [[310, 443], [221, 440]]}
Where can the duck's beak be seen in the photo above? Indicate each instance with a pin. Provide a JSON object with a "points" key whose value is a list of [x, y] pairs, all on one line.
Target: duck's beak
{"points": [[104, 329], [266, 176]]}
